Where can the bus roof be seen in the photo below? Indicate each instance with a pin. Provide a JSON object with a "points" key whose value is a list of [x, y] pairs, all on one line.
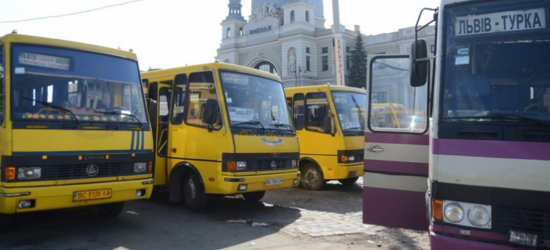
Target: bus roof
{"points": [[208, 66], [18, 38]]}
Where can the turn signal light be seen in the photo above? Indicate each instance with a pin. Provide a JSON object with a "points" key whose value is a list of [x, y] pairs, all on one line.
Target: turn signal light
{"points": [[437, 209], [10, 173], [231, 166]]}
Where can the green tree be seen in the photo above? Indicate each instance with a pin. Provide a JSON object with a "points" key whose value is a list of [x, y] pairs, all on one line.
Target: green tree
{"points": [[357, 74]]}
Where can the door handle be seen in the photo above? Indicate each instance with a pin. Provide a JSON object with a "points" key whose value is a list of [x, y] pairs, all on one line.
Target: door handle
{"points": [[375, 149]]}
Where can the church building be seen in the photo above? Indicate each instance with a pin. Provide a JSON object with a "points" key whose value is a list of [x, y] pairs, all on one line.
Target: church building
{"points": [[289, 38]]}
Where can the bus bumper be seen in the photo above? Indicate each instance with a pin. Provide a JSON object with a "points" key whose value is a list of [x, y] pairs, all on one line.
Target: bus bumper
{"points": [[343, 171], [59, 197], [245, 184], [440, 241]]}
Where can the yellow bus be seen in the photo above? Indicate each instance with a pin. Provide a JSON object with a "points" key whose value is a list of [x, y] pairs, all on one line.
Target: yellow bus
{"points": [[74, 129], [220, 130], [330, 125]]}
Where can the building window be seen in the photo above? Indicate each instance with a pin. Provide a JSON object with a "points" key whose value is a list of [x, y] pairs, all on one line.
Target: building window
{"points": [[267, 67], [228, 32], [347, 49], [307, 50], [307, 16], [324, 50], [240, 31], [307, 64], [325, 63], [292, 17]]}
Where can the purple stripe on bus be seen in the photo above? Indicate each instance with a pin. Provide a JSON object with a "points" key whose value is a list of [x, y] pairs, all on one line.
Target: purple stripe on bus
{"points": [[492, 149], [385, 207], [397, 167], [440, 241], [397, 138]]}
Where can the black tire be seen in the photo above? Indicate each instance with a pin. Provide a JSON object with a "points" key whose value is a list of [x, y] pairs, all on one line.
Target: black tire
{"points": [[312, 177], [254, 196], [348, 182], [5, 220], [111, 210], [193, 193]]}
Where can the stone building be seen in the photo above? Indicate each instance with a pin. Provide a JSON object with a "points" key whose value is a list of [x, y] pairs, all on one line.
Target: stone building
{"points": [[289, 38]]}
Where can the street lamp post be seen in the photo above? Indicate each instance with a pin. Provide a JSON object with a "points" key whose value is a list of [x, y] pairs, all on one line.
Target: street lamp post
{"points": [[298, 75]]}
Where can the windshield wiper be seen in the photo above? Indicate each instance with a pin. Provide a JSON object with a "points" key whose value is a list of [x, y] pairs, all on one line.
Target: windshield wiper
{"points": [[128, 113], [249, 123], [503, 117], [281, 125], [360, 128], [53, 106]]}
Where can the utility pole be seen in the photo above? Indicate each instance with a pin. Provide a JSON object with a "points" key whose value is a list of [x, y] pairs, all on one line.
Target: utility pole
{"points": [[338, 46]]}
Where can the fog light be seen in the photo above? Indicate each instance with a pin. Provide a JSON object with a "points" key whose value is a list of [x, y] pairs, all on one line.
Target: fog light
{"points": [[243, 187], [295, 182], [25, 204], [140, 192]]}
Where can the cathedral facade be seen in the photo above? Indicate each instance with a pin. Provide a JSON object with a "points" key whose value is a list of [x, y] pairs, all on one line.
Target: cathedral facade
{"points": [[289, 38]]}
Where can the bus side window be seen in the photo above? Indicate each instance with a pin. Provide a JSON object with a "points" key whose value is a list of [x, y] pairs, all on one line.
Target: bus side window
{"points": [[298, 114]]}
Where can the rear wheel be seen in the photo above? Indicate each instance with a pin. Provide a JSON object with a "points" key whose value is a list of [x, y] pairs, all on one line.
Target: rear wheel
{"points": [[312, 177], [254, 196], [193, 193], [350, 181], [111, 210]]}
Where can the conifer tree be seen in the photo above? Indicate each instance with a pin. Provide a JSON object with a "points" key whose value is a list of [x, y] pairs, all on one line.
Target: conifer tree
{"points": [[357, 74]]}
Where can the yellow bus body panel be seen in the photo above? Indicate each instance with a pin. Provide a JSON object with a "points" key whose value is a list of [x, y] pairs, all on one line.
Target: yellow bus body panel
{"points": [[47, 143], [322, 148], [203, 149]]}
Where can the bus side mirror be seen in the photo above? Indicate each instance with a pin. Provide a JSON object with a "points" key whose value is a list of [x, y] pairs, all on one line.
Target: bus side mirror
{"points": [[419, 63], [209, 111]]}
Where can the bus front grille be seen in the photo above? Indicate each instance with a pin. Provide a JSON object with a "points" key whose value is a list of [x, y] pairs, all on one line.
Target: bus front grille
{"points": [[85, 171]]}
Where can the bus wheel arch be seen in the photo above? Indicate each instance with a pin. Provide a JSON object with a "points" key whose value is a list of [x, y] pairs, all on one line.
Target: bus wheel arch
{"points": [[312, 177], [179, 173]]}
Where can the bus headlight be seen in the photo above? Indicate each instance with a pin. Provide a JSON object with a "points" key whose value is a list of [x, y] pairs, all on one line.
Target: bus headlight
{"points": [[479, 216], [241, 165], [28, 173], [454, 212], [140, 167], [293, 164]]}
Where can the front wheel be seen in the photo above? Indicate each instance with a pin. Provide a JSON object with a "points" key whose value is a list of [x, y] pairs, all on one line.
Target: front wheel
{"points": [[254, 196], [348, 182], [111, 210], [193, 193], [312, 177]]}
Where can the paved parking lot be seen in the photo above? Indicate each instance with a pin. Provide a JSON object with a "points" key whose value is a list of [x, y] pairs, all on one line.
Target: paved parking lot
{"points": [[294, 219]]}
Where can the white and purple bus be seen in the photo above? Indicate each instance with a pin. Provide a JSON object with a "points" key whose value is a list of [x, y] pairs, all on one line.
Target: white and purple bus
{"points": [[473, 166]]}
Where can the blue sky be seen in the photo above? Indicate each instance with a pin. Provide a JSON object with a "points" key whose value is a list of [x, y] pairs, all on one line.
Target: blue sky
{"points": [[171, 33]]}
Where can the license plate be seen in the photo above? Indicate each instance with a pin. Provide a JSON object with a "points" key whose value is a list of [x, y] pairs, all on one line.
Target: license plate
{"points": [[92, 195], [277, 181]]}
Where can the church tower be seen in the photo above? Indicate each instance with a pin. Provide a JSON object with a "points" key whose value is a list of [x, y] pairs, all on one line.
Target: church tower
{"points": [[233, 24]]}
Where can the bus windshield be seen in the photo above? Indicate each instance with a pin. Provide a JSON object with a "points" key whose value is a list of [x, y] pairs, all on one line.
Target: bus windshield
{"points": [[496, 63], [350, 108], [255, 102], [57, 85]]}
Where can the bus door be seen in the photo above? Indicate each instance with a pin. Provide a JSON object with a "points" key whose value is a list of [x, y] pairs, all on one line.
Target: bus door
{"points": [[158, 98], [396, 156]]}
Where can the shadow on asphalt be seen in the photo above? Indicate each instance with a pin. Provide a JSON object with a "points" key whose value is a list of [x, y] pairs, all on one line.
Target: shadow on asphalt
{"points": [[148, 224], [333, 197]]}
